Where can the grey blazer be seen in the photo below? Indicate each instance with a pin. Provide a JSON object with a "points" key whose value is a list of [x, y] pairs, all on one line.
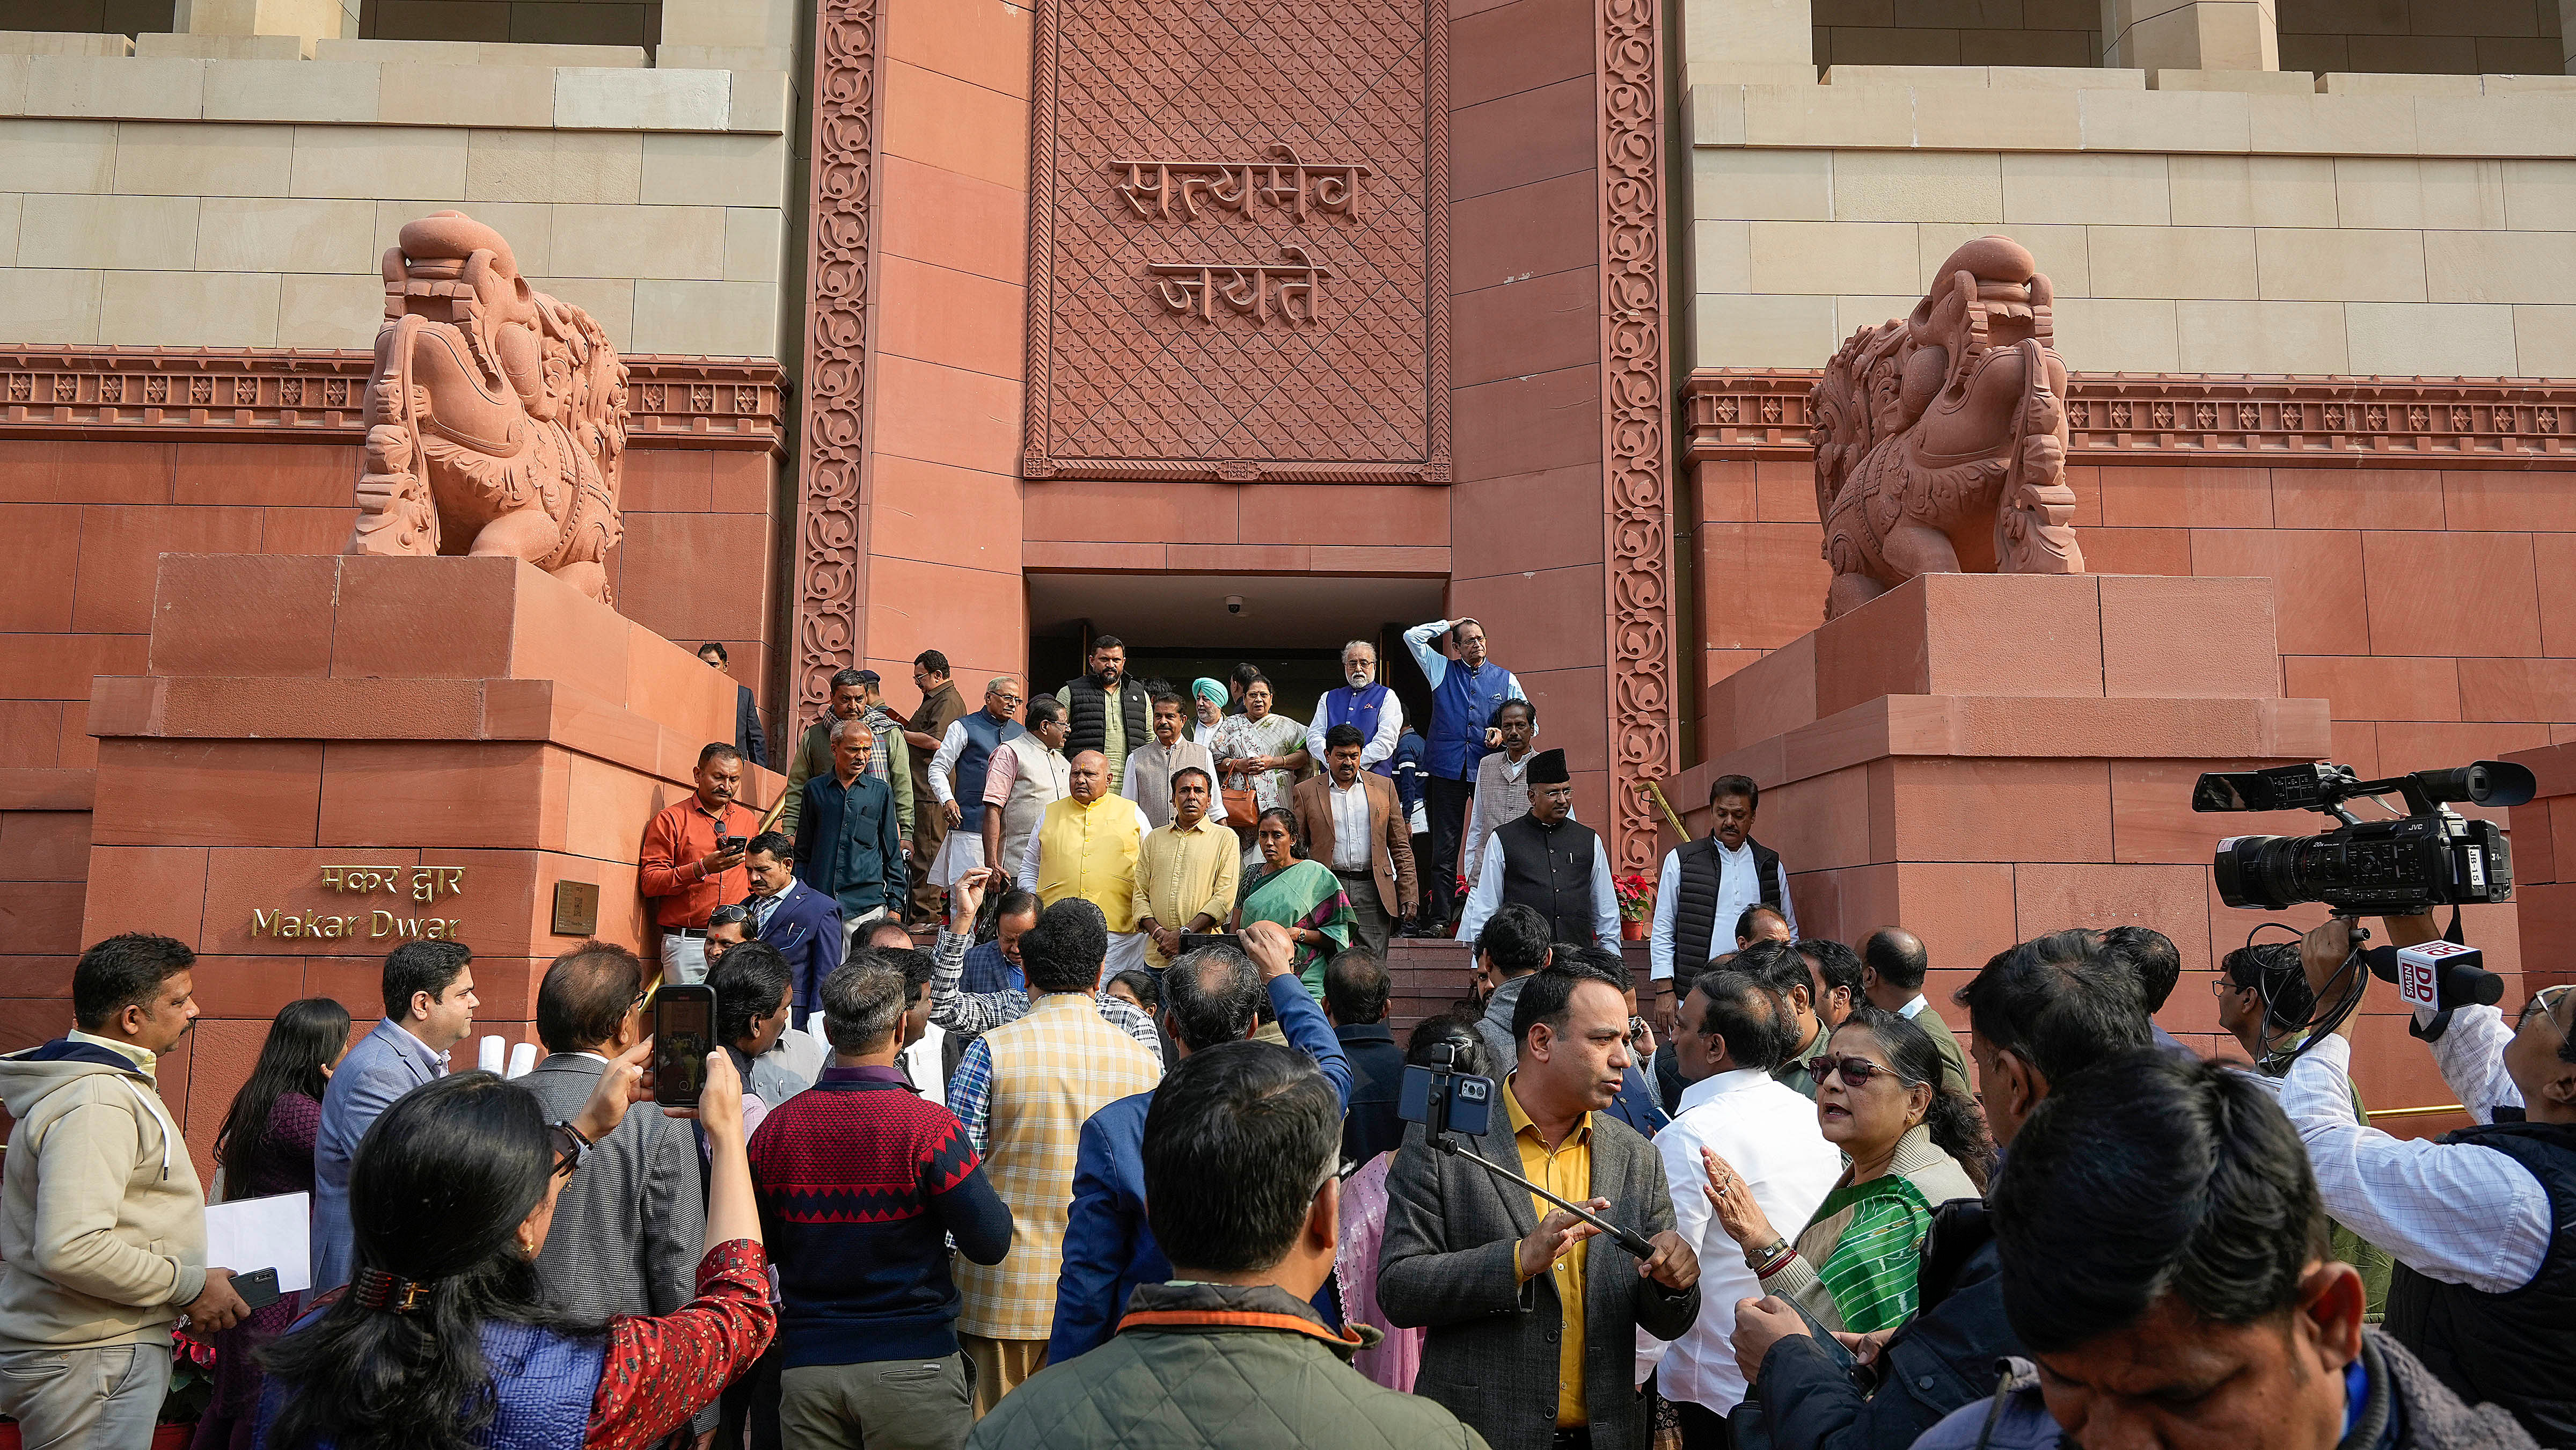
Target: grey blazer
{"points": [[1452, 1232], [632, 1224]]}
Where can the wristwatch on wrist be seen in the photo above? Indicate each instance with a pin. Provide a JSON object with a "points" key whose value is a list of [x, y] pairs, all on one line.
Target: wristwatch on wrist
{"points": [[1755, 1258]]}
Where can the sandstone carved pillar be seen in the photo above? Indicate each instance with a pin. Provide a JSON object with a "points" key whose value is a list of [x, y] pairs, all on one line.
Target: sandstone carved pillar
{"points": [[2191, 35]]}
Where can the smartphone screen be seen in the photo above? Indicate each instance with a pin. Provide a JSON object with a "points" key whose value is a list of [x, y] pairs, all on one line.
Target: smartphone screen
{"points": [[684, 1032]]}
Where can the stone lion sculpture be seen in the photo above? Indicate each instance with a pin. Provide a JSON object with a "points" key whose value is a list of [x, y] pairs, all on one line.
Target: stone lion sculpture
{"points": [[496, 414], [1941, 437]]}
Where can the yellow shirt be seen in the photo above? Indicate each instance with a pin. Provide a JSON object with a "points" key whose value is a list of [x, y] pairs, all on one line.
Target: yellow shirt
{"points": [[1180, 874], [1567, 1173], [1090, 852]]}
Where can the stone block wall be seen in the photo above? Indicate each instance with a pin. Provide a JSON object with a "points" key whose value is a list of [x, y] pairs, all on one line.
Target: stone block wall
{"points": [[2364, 230], [2464, 37], [183, 201]]}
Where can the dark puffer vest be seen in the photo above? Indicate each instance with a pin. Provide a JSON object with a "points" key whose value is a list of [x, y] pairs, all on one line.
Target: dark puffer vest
{"points": [[1695, 923], [1087, 716], [2516, 1349]]}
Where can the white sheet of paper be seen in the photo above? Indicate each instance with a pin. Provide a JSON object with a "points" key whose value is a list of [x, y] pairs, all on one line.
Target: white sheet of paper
{"points": [[264, 1233]]}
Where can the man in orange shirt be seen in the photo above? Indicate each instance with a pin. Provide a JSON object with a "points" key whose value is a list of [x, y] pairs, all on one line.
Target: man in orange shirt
{"points": [[691, 861]]}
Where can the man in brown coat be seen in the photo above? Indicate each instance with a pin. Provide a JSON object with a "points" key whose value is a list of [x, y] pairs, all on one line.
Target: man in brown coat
{"points": [[941, 706], [1354, 825]]}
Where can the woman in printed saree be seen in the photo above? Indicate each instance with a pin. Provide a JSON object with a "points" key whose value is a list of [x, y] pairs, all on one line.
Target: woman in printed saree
{"points": [[1911, 1144], [1301, 895]]}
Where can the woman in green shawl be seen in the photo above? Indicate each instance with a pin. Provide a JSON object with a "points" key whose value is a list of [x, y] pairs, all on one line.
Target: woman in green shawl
{"points": [[1301, 895], [1911, 1144]]}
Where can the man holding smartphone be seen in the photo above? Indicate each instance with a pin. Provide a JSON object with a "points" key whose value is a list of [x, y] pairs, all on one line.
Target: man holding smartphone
{"points": [[691, 861]]}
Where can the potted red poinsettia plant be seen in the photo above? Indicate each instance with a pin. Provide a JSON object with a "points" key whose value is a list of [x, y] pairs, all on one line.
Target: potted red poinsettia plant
{"points": [[1636, 905]]}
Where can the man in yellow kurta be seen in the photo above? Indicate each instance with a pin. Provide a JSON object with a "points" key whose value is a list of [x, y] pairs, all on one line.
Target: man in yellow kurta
{"points": [[1087, 845], [1186, 872]]}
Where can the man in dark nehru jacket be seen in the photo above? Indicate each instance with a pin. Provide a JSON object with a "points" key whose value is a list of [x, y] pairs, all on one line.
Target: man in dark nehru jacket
{"points": [[1548, 862]]}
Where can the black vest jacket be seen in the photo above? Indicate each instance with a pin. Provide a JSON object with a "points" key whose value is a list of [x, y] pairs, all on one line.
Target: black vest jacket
{"points": [[1549, 870], [1087, 716], [2513, 1349], [1695, 921]]}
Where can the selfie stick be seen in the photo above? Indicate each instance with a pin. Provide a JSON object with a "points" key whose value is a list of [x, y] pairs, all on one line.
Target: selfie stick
{"points": [[1435, 1129], [1627, 1238]]}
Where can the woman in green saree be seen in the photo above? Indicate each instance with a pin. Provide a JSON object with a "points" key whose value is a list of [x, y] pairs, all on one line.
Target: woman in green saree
{"points": [[1911, 1144], [1301, 895]]}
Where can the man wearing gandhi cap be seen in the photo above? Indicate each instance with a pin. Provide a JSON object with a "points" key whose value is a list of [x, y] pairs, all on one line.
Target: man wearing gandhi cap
{"points": [[1548, 862]]}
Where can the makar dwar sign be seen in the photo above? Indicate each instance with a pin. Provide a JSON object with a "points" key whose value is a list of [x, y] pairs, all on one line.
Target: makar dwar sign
{"points": [[417, 886]]}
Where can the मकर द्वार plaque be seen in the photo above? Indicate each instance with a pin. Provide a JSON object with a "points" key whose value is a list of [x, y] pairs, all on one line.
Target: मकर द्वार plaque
{"points": [[1238, 227], [359, 916]]}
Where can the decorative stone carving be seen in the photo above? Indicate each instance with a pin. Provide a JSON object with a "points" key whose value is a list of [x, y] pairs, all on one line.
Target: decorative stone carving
{"points": [[1287, 162], [1941, 438], [496, 415], [831, 526], [309, 395], [1746, 415], [1636, 423]]}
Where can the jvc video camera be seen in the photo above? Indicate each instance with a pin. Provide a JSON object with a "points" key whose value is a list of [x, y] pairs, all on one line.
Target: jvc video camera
{"points": [[2428, 857]]}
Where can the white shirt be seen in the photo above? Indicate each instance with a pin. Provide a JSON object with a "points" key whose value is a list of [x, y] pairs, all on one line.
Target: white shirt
{"points": [[1390, 724], [1350, 825], [1435, 665], [1486, 897], [1136, 785], [951, 745], [1029, 857], [1767, 1133], [1909, 1010], [1739, 885], [2456, 1212]]}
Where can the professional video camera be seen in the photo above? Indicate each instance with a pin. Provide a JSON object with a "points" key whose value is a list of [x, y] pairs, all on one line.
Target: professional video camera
{"points": [[2400, 867], [2403, 866], [1445, 1101]]}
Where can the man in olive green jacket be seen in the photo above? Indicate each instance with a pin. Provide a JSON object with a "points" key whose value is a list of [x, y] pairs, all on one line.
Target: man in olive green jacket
{"points": [[1230, 1353], [854, 692]]}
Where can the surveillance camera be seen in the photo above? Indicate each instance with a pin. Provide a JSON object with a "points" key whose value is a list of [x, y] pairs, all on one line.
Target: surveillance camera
{"points": [[1234, 604]]}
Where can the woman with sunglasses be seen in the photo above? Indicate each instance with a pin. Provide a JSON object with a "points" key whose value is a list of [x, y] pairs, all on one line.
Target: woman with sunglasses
{"points": [[1911, 1144], [441, 1341]]}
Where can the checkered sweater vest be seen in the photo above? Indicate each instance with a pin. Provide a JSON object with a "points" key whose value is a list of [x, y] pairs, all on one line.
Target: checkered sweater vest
{"points": [[1052, 1069]]}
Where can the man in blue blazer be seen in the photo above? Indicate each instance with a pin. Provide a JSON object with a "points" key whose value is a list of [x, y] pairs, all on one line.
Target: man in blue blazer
{"points": [[1210, 996], [429, 1008], [803, 923]]}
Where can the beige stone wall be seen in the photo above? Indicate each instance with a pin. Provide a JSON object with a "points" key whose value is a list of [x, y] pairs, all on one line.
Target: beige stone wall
{"points": [[2380, 227], [174, 201], [2465, 37], [1958, 32]]}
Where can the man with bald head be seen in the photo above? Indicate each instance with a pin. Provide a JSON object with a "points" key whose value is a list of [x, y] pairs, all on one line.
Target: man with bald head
{"points": [[1892, 967], [1086, 845], [949, 819]]}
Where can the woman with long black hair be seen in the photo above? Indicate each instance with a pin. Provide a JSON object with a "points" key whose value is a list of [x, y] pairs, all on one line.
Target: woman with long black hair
{"points": [[441, 1341], [266, 1148]]}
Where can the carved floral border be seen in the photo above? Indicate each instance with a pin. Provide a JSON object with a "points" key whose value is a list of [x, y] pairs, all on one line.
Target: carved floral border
{"points": [[297, 395], [1636, 434], [2195, 418], [825, 624]]}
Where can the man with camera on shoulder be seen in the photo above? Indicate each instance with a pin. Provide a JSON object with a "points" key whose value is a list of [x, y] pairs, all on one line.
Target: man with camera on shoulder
{"points": [[2482, 1223], [1532, 1325]]}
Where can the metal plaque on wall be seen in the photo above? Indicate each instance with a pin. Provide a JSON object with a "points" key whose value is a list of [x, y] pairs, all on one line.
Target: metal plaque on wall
{"points": [[576, 908], [1238, 242]]}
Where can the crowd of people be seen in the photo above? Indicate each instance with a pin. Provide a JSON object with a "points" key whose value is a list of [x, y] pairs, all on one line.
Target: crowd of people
{"points": [[1131, 1153]]}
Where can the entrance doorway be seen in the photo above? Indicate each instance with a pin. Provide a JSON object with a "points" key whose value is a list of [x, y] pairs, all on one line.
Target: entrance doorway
{"points": [[1181, 627]]}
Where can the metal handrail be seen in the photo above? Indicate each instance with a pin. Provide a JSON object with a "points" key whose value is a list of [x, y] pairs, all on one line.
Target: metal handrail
{"points": [[2417, 1112]]}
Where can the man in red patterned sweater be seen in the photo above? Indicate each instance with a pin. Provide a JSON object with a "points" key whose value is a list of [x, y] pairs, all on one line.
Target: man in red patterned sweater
{"points": [[859, 1181]]}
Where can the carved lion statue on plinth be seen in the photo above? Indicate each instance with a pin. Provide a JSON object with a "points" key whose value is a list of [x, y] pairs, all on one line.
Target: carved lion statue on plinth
{"points": [[496, 414], [1941, 437]]}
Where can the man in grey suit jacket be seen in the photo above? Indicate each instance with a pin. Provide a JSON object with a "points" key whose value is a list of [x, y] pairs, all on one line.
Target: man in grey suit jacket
{"points": [[429, 1008], [1472, 1259], [631, 1225]]}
